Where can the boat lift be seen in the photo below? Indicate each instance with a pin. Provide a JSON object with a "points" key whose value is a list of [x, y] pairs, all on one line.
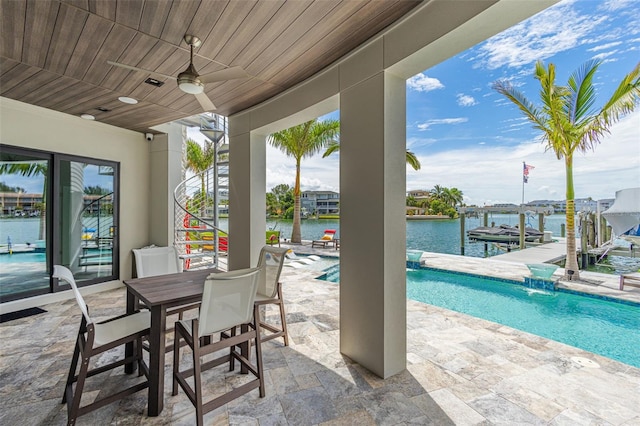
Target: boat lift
{"points": [[522, 211]]}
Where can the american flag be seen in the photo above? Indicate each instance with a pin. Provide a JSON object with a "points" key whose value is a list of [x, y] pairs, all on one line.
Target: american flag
{"points": [[525, 171]]}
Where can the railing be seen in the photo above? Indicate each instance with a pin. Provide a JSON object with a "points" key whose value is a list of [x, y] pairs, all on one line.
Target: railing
{"points": [[97, 232], [199, 239]]}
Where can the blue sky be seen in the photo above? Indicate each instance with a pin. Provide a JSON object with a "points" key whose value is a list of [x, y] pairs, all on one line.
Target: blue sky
{"points": [[34, 184], [468, 136]]}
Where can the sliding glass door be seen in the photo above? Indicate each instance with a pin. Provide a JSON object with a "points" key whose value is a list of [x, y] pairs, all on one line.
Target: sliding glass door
{"points": [[56, 209], [24, 223], [87, 222]]}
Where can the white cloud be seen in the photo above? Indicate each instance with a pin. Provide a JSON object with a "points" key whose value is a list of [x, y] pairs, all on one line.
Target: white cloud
{"points": [[466, 100], [316, 173], [604, 46], [602, 56], [414, 143], [423, 83], [493, 174], [614, 5], [557, 29], [425, 125]]}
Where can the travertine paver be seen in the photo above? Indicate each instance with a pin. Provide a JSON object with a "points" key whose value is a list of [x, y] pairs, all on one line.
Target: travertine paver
{"points": [[460, 370]]}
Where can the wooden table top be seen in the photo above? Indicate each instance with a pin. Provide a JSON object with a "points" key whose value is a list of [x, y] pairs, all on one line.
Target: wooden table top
{"points": [[170, 289]]}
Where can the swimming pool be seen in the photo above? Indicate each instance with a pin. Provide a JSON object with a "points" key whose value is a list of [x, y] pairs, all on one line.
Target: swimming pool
{"points": [[603, 327]]}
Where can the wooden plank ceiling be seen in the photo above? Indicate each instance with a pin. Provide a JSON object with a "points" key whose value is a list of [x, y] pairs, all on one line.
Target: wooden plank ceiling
{"points": [[54, 53]]}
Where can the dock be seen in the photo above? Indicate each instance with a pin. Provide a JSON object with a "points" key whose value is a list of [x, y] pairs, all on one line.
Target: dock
{"points": [[543, 253]]}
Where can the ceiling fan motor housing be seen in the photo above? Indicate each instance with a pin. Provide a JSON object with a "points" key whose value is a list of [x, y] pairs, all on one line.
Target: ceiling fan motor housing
{"points": [[189, 82]]}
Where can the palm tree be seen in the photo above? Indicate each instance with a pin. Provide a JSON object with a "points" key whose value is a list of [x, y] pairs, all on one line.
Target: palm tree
{"points": [[411, 201], [303, 140], [31, 169], [569, 123], [412, 160], [199, 160], [453, 196], [438, 193]]}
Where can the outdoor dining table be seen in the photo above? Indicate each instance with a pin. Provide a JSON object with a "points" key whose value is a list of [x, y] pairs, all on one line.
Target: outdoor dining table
{"points": [[159, 293]]}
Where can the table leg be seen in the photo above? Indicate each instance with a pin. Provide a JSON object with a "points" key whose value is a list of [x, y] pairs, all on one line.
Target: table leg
{"points": [[156, 360], [129, 350]]}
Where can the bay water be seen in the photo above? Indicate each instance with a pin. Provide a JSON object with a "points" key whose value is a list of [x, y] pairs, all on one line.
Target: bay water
{"points": [[438, 236]]}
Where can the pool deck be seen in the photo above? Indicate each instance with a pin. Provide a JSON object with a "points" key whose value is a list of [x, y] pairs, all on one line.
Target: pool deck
{"points": [[460, 370], [595, 283], [549, 252]]}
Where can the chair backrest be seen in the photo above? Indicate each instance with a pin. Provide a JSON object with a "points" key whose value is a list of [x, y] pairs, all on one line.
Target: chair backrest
{"points": [[328, 234], [62, 273], [227, 300], [156, 261], [270, 264]]}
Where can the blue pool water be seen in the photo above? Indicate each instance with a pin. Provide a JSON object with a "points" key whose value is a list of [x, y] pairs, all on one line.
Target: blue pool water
{"points": [[23, 258], [603, 327]]}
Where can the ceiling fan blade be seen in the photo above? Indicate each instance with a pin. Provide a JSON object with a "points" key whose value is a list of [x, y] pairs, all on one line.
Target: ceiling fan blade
{"points": [[131, 68], [205, 102], [225, 74]]}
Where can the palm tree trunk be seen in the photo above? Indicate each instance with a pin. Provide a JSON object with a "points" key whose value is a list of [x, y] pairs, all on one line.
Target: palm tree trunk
{"points": [[43, 212], [296, 236], [203, 196], [572, 259]]}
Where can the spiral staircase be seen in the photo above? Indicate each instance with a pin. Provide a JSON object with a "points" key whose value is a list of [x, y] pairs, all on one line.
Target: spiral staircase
{"points": [[197, 204]]}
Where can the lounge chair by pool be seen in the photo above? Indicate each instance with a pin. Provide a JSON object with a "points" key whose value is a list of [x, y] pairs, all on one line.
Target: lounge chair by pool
{"points": [[632, 279], [326, 239], [307, 260]]}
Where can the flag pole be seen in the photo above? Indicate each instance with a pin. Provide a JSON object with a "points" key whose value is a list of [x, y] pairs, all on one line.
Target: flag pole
{"points": [[524, 166]]}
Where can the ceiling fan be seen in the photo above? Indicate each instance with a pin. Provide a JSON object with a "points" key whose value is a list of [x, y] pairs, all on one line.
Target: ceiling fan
{"points": [[189, 81]]}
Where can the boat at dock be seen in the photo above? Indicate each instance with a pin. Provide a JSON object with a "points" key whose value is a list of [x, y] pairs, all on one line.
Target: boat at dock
{"points": [[624, 215], [503, 234]]}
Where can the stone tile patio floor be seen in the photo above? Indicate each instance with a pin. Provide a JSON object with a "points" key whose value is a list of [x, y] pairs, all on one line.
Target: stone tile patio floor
{"points": [[460, 370]]}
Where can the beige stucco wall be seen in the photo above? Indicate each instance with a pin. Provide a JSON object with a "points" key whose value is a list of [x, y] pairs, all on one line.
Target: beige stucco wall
{"points": [[33, 127]]}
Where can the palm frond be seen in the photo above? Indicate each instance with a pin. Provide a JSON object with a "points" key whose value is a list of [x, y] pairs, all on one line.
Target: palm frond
{"points": [[331, 148], [413, 161], [581, 94], [527, 107], [624, 98]]}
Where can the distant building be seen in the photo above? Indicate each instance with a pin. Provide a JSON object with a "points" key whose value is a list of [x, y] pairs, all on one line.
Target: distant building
{"points": [[581, 204], [418, 194], [505, 205], [24, 204], [20, 204], [320, 202]]}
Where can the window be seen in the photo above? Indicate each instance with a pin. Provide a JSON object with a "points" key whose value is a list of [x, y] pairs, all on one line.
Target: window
{"points": [[56, 209]]}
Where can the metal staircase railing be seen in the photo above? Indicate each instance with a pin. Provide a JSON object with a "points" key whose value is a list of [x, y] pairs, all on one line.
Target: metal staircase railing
{"points": [[97, 232], [198, 204]]}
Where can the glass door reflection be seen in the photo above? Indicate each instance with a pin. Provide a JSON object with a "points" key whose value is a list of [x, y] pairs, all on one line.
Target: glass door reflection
{"points": [[24, 236], [87, 220]]}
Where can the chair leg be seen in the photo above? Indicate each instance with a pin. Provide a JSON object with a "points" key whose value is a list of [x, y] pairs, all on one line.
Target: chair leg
{"points": [[232, 360], [73, 407], [197, 381], [176, 360], [138, 344], [245, 347], [74, 366], [259, 365], [283, 316]]}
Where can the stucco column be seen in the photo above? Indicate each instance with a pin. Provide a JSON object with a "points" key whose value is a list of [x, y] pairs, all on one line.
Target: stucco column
{"points": [[372, 223], [247, 205], [165, 174]]}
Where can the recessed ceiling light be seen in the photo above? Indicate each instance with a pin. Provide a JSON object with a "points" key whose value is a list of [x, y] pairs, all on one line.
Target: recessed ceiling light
{"points": [[87, 116], [128, 100], [154, 82]]}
